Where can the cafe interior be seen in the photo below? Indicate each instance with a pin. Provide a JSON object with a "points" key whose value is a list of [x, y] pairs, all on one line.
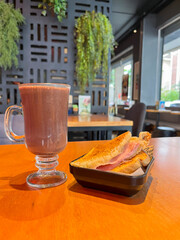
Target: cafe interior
{"points": [[84, 81], [142, 68]]}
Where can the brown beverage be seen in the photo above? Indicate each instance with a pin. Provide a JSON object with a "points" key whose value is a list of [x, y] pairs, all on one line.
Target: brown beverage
{"points": [[45, 118]]}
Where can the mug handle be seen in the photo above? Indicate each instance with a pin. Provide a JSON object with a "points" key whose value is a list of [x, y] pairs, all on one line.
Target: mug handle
{"points": [[8, 124]]}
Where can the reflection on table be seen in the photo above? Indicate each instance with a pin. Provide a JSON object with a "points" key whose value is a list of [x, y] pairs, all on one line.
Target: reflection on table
{"points": [[100, 125], [70, 211]]}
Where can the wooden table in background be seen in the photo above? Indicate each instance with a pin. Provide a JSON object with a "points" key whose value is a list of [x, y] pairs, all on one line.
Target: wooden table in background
{"points": [[98, 123], [157, 112], [175, 112], [71, 212]]}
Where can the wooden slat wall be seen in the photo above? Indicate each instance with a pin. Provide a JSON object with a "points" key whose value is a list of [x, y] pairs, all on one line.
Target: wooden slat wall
{"points": [[47, 53]]}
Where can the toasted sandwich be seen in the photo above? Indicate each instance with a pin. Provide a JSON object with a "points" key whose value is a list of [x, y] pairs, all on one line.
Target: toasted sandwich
{"points": [[114, 153]]}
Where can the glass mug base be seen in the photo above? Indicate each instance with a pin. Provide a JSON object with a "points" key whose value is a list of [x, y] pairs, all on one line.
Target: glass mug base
{"points": [[47, 176], [46, 179]]}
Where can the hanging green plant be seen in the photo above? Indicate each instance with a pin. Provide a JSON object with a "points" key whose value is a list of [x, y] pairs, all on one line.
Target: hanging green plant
{"points": [[57, 6], [94, 38], [10, 19]]}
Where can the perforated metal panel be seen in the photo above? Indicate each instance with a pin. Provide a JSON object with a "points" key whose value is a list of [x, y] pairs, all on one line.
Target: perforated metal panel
{"points": [[47, 53]]}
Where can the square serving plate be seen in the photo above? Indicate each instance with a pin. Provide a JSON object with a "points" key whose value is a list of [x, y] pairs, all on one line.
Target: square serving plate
{"points": [[110, 181]]}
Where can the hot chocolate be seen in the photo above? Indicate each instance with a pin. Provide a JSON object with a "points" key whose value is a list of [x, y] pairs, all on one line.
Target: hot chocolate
{"points": [[45, 118]]}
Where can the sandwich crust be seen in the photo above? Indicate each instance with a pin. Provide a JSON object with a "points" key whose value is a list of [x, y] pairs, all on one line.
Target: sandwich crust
{"points": [[144, 158], [141, 159], [143, 139], [101, 154], [128, 166]]}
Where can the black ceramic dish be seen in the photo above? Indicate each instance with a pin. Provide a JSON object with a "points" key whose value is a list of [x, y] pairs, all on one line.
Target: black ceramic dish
{"points": [[109, 181]]}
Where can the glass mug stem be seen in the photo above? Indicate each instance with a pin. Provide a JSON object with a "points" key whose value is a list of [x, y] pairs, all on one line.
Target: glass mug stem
{"points": [[47, 176], [46, 164]]}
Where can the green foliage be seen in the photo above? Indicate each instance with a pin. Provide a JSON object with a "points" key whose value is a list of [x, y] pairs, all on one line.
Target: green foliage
{"points": [[169, 95], [10, 18], [58, 6], [94, 39]]}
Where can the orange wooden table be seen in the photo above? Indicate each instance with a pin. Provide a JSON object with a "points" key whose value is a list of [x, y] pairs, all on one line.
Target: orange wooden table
{"points": [[100, 120], [98, 123], [72, 212]]}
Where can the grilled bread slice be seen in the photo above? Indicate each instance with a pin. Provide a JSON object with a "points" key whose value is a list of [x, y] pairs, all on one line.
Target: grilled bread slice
{"points": [[101, 154]]}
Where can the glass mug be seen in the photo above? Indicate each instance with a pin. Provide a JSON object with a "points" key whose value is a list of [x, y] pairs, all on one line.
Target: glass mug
{"points": [[45, 111]]}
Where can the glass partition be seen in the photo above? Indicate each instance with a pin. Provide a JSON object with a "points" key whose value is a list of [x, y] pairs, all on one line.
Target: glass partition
{"points": [[170, 76], [120, 86]]}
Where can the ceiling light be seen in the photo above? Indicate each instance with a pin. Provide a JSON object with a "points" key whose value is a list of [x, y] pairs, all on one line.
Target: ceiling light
{"points": [[134, 31]]}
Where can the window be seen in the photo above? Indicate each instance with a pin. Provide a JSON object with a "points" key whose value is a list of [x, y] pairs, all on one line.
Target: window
{"points": [[120, 87], [170, 77]]}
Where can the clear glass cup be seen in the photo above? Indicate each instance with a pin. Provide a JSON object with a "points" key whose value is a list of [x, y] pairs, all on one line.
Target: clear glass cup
{"points": [[45, 112]]}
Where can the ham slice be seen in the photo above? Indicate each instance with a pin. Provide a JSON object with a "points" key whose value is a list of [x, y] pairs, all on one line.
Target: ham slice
{"points": [[129, 151]]}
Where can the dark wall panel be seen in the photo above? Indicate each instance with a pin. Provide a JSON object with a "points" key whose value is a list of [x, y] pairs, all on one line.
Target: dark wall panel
{"points": [[47, 53]]}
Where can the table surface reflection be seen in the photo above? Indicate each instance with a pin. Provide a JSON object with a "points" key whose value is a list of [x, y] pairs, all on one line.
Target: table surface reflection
{"points": [[97, 121], [70, 211]]}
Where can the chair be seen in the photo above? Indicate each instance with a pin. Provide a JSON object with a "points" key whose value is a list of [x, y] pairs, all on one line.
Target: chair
{"points": [[136, 114]]}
